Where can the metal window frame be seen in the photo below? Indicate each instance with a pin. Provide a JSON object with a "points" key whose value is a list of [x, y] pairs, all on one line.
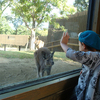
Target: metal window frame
{"points": [[37, 81], [90, 17]]}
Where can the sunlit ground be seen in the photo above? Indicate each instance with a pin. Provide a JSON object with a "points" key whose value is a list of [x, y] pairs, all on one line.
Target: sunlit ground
{"points": [[17, 66]]}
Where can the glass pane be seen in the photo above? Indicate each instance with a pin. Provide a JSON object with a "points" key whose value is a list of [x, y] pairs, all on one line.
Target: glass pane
{"points": [[74, 24], [17, 61]]}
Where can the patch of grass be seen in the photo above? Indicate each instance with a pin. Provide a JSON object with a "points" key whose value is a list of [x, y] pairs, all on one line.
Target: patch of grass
{"points": [[17, 54], [30, 54], [61, 56]]}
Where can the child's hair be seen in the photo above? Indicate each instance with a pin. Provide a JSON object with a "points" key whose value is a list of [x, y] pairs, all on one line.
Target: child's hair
{"points": [[89, 48]]}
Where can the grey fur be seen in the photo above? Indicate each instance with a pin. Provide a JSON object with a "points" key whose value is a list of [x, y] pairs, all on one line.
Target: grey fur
{"points": [[44, 61]]}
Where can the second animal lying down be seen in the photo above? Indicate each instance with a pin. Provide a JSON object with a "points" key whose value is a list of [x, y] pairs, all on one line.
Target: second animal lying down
{"points": [[44, 61]]}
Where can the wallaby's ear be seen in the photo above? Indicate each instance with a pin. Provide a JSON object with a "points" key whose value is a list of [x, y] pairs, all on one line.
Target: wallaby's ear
{"points": [[52, 53], [43, 54]]}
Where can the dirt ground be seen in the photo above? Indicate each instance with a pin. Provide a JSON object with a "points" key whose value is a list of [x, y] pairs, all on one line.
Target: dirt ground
{"points": [[17, 70]]}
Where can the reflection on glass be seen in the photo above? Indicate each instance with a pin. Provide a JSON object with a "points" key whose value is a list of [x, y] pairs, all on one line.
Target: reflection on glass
{"points": [[74, 23], [17, 66]]}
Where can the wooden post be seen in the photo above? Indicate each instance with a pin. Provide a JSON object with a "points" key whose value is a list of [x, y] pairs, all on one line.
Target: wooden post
{"points": [[52, 45], [26, 45], [19, 48], [4, 47]]}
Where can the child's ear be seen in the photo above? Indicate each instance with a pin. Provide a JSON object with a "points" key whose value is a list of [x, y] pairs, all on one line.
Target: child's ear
{"points": [[84, 45]]}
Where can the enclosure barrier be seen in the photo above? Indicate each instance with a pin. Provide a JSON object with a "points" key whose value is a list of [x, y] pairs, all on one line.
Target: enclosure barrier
{"points": [[73, 42], [54, 87], [17, 40]]}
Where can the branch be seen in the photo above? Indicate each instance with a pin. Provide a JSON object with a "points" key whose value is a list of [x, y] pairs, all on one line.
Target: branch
{"points": [[42, 16], [26, 24], [5, 8], [40, 21], [24, 19]]}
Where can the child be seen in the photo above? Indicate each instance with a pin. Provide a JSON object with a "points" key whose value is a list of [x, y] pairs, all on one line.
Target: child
{"points": [[88, 87]]}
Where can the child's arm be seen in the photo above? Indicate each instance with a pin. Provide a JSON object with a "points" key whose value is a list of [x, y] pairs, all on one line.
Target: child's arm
{"points": [[64, 41]]}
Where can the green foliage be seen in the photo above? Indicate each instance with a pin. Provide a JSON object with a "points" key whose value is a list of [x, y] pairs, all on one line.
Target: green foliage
{"points": [[35, 12], [16, 54], [41, 32], [22, 30], [71, 10], [4, 26], [3, 5], [81, 5]]}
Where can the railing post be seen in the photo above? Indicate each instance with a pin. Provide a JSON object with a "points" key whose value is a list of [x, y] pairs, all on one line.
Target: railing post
{"points": [[19, 48], [52, 45], [4, 47]]}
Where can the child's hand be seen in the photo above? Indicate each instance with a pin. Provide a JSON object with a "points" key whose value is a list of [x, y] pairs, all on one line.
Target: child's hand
{"points": [[65, 38]]}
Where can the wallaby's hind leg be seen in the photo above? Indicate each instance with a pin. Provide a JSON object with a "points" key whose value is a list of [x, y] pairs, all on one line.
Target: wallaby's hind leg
{"points": [[48, 71], [41, 73], [37, 63], [38, 70]]}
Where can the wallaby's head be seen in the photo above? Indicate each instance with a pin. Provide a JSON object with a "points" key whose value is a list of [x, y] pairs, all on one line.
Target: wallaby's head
{"points": [[48, 58]]}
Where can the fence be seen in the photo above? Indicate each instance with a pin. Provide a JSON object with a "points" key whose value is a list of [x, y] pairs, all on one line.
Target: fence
{"points": [[55, 45], [17, 40]]}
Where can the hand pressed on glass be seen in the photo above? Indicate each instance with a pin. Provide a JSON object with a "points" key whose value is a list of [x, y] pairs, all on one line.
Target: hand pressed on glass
{"points": [[65, 38]]}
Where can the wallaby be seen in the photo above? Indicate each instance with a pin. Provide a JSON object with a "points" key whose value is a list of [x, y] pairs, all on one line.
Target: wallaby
{"points": [[44, 61], [39, 44]]}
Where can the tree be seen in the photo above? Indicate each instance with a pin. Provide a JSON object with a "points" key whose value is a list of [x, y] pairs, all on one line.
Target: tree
{"points": [[4, 26], [81, 5], [35, 12], [22, 30], [3, 5], [15, 21]]}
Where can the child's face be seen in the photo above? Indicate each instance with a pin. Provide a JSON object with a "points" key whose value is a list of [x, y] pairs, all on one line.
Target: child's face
{"points": [[81, 47]]}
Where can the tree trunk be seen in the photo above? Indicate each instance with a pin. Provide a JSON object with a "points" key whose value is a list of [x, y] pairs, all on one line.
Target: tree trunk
{"points": [[32, 40], [16, 32]]}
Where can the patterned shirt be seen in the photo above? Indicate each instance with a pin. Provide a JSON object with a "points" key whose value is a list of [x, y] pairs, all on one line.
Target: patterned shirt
{"points": [[87, 82]]}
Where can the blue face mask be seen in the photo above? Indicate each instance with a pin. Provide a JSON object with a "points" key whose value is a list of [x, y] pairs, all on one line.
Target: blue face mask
{"points": [[90, 38]]}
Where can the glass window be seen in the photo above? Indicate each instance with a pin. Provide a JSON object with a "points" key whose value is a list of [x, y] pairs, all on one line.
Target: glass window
{"points": [[17, 62], [75, 23]]}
